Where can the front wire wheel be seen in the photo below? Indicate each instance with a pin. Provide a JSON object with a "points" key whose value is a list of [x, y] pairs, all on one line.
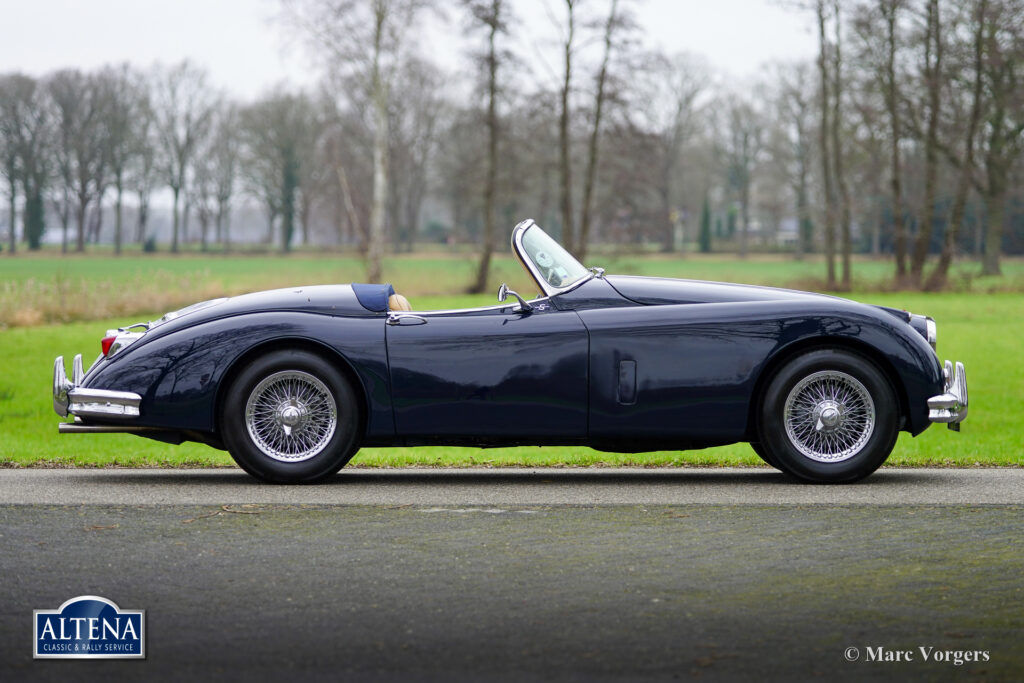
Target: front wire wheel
{"points": [[829, 416]]}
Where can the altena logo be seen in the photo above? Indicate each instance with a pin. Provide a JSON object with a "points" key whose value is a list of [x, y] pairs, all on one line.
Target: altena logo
{"points": [[89, 627]]}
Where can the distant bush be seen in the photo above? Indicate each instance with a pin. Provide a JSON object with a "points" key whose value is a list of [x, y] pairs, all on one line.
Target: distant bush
{"points": [[149, 246]]}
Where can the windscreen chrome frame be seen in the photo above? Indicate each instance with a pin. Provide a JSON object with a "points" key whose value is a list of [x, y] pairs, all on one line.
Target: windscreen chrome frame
{"points": [[520, 252]]}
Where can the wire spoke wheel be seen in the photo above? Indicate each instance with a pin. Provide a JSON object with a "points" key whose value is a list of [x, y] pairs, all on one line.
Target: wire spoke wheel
{"points": [[829, 416], [291, 416]]}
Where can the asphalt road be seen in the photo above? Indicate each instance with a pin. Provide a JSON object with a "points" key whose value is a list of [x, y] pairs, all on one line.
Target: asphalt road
{"points": [[512, 487], [448, 578]]}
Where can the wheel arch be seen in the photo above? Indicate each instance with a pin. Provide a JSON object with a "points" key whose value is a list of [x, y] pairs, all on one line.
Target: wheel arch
{"points": [[317, 348], [787, 353]]}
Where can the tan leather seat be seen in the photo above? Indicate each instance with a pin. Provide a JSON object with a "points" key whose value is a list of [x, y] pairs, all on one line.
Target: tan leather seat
{"points": [[397, 302]]}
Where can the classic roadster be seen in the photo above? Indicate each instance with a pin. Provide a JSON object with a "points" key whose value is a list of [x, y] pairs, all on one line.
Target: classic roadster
{"points": [[292, 382]]}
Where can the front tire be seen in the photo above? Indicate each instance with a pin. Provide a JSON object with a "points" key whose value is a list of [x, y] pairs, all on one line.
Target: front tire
{"points": [[291, 417], [829, 416]]}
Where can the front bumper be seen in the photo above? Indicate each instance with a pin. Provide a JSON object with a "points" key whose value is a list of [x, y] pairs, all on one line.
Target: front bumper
{"points": [[70, 398], [951, 405]]}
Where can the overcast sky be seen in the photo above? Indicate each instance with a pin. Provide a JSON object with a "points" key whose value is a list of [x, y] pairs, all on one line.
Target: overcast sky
{"points": [[246, 52]]}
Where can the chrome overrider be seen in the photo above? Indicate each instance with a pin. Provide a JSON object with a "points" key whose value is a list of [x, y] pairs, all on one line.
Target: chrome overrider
{"points": [[69, 397], [951, 405]]}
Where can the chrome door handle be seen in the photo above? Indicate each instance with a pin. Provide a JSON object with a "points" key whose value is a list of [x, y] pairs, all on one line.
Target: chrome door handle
{"points": [[405, 319]]}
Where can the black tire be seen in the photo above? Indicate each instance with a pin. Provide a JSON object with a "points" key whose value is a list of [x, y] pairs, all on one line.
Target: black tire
{"points": [[763, 454], [308, 452], [844, 417]]}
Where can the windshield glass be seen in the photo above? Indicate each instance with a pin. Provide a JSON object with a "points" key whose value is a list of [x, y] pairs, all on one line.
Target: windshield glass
{"points": [[553, 263]]}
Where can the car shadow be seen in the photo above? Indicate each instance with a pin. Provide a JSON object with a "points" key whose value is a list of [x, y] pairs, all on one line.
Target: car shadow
{"points": [[594, 477]]}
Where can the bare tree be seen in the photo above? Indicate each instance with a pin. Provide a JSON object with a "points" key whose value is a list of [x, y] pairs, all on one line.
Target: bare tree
{"points": [[365, 41], [143, 170], [25, 117], [273, 129], [617, 25], [824, 143], [666, 109], [413, 140], [890, 11], [10, 131], [1003, 126], [932, 80], [743, 139], [123, 92], [490, 14], [564, 128], [964, 160], [223, 154], [183, 107], [793, 150]]}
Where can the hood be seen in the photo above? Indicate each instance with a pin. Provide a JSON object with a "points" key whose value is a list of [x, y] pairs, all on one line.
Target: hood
{"points": [[653, 291]]}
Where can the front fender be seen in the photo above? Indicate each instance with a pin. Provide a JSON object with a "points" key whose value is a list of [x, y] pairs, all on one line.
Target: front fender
{"points": [[178, 375]]}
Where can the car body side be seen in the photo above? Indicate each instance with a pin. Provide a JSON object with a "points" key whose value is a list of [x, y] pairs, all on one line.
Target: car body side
{"points": [[665, 363]]}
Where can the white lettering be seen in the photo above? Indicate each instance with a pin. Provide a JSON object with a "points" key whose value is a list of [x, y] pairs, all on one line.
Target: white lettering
{"points": [[112, 629], [48, 628], [129, 627]]}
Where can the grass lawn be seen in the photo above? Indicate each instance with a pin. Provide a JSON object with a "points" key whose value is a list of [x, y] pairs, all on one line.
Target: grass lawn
{"points": [[50, 288], [986, 331]]}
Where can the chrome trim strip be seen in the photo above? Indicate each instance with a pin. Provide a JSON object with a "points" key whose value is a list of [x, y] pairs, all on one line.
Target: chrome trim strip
{"points": [[103, 403], [950, 407]]}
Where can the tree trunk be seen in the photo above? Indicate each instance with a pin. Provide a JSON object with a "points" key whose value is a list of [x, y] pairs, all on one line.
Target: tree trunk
{"points": [[118, 225], [483, 271], [939, 276], [744, 217], [379, 207], [995, 208], [80, 219], [140, 228], [933, 76], [892, 103], [565, 159], [595, 137], [846, 246], [826, 160], [12, 217], [175, 222]]}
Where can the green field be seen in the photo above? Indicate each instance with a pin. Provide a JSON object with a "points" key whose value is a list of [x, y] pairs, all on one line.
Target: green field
{"points": [[986, 331], [49, 288]]}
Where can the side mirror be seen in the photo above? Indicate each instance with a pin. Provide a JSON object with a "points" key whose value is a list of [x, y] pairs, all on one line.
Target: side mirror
{"points": [[504, 292]]}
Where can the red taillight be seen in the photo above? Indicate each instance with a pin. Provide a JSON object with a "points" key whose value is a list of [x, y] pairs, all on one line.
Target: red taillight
{"points": [[105, 344]]}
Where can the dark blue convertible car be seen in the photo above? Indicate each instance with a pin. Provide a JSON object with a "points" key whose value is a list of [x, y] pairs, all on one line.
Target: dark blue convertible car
{"points": [[293, 382]]}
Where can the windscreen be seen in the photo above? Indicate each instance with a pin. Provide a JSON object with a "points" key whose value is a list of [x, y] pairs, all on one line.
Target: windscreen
{"points": [[553, 263]]}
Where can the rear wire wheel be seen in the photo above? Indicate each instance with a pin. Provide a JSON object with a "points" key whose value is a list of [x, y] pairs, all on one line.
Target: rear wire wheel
{"points": [[291, 417]]}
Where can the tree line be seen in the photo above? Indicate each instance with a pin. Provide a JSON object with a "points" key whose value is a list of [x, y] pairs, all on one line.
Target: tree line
{"points": [[902, 138]]}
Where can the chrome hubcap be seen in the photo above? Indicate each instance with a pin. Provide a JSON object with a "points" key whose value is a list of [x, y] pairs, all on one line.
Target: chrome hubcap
{"points": [[829, 416], [291, 416]]}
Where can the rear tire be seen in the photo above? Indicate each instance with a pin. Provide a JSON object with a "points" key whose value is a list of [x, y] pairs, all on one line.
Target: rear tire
{"points": [[829, 416], [291, 417]]}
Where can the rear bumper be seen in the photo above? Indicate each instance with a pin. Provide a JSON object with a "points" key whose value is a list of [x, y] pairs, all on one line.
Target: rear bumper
{"points": [[69, 398], [950, 406]]}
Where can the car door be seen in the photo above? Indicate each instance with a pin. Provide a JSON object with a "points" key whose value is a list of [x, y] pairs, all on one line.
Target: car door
{"points": [[489, 374]]}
